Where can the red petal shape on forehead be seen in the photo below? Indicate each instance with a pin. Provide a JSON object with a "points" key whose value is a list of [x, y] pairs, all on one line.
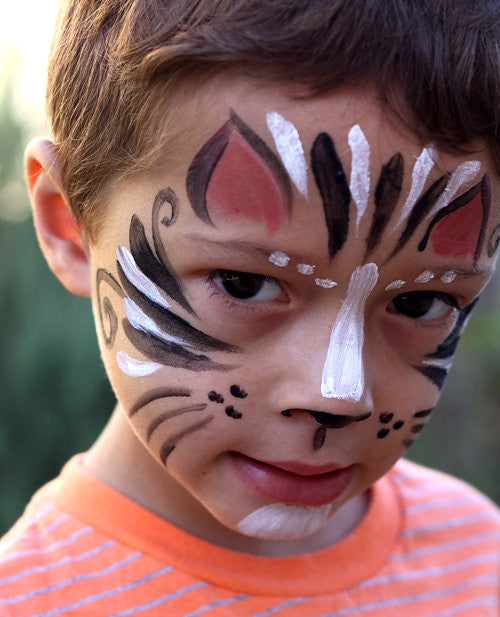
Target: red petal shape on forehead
{"points": [[242, 184], [457, 234]]}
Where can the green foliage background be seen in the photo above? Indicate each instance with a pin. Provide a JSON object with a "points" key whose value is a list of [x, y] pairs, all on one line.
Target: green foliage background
{"points": [[55, 397]]}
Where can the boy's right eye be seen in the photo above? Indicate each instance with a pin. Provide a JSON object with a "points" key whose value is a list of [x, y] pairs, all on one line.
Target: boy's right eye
{"points": [[247, 286]]}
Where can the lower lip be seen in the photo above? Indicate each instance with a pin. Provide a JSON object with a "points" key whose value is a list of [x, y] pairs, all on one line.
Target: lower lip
{"points": [[291, 488]]}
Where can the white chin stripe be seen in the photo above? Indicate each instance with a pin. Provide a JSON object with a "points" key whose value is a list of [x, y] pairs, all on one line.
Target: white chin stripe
{"points": [[279, 521]]}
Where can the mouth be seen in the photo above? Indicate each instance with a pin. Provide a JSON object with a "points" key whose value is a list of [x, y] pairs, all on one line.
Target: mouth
{"points": [[292, 482]]}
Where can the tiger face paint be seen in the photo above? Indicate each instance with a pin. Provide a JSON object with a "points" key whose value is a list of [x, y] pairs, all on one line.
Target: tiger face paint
{"points": [[266, 331]]}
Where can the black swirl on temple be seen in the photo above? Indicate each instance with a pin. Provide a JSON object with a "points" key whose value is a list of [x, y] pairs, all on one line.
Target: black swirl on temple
{"points": [[105, 306]]}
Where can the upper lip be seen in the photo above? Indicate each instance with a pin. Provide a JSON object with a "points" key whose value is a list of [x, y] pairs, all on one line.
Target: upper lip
{"points": [[303, 469]]}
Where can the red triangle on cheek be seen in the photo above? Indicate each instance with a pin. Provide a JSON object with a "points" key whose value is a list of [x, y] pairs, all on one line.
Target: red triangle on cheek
{"points": [[242, 184], [457, 234]]}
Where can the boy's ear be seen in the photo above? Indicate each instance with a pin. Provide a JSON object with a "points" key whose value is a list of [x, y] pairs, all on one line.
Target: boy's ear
{"points": [[58, 232]]}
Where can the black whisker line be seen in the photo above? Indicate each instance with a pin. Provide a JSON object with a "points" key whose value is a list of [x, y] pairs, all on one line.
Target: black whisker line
{"points": [[334, 190], [147, 262], [169, 445], [424, 413], [387, 193], [156, 394], [167, 415], [419, 212]]}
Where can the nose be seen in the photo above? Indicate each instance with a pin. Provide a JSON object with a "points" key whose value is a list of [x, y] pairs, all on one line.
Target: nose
{"points": [[343, 370], [335, 391]]}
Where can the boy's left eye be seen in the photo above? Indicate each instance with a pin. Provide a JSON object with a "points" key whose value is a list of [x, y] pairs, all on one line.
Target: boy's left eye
{"points": [[423, 305], [247, 286]]}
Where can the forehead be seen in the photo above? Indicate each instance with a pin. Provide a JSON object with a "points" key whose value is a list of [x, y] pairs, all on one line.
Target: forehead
{"points": [[261, 162]]}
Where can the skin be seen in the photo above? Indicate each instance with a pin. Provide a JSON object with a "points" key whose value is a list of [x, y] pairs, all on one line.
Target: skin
{"points": [[283, 340]]}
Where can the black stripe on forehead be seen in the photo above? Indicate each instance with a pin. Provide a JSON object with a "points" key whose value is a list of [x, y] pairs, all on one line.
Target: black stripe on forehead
{"points": [[156, 271], [387, 193], [419, 212], [334, 190]]}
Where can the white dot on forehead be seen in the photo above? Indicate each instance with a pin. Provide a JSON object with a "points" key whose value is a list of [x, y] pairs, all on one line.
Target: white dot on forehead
{"points": [[449, 276], [326, 283], [279, 259], [425, 277], [395, 285], [305, 268]]}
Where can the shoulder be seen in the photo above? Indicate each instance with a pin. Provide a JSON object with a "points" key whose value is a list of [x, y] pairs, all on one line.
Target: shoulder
{"points": [[40, 555], [440, 510], [417, 483]]}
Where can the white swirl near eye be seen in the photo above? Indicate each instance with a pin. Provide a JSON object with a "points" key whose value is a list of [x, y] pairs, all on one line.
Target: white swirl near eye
{"points": [[247, 286]]}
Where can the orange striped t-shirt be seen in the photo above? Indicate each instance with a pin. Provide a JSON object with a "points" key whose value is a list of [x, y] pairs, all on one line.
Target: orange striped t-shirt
{"points": [[428, 546]]}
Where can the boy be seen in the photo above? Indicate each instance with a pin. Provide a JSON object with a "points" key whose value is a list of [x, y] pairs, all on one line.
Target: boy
{"points": [[283, 228]]}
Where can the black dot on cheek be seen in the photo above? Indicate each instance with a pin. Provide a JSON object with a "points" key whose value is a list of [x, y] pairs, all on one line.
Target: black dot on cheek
{"points": [[386, 417], [383, 433], [237, 392], [215, 397], [398, 424], [232, 413]]}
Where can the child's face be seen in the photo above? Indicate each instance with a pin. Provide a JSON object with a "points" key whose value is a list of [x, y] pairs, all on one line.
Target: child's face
{"points": [[286, 301]]}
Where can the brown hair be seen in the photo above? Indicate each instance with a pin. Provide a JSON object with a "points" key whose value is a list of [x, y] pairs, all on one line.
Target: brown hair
{"points": [[117, 69]]}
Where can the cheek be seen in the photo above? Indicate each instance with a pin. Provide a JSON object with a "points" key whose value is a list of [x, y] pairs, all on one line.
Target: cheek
{"points": [[207, 412]]}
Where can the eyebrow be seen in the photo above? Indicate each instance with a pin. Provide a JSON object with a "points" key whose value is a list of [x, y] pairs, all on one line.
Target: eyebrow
{"points": [[258, 250], [250, 248], [462, 271]]}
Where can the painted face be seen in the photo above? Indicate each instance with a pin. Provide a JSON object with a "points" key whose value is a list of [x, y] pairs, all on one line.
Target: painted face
{"points": [[278, 314]]}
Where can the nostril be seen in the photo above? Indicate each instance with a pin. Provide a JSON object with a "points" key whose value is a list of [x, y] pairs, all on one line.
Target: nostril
{"points": [[330, 420]]}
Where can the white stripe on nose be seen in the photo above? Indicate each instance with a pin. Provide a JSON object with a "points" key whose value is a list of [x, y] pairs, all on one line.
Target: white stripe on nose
{"points": [[343, 373]]}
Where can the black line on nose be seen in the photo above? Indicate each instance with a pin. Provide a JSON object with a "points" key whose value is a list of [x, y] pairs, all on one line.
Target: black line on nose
{"points": [[330, 420]]}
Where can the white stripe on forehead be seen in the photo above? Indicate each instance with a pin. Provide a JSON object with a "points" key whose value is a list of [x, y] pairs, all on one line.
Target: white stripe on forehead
{"points": [[289, 146], [360, 170], [138, 278], [421, 170], [465, 172], [136, 368], [343, 373]]}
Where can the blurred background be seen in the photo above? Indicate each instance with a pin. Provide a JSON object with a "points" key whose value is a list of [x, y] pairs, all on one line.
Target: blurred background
{"points": [[54, 397]]}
